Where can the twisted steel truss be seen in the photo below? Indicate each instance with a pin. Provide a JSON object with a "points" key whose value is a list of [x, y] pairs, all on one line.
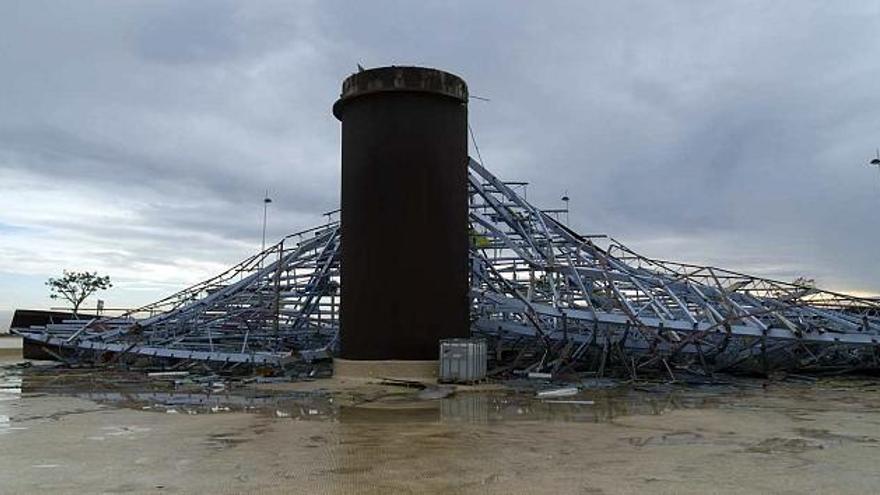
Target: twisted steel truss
{"points": [[559, 299]]}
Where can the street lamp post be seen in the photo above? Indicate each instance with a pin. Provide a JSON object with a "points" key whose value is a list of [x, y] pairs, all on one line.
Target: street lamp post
{"points": [[566, 199], [875, 162], [266, 201]]}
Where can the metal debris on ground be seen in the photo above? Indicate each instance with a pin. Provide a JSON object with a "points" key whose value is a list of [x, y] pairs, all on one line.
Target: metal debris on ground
{"points": [[576, 402], [539, 376], [557, 392], [546, 298]]}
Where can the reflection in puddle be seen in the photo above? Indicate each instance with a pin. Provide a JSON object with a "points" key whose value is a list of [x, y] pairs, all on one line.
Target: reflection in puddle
{"points": [[10, 392], [595, 402], [466, 407]]}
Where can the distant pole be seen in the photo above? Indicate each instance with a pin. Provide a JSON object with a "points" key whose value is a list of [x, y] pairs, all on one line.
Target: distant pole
{"points": [[266, 201], [566, 199], [876, 161]]}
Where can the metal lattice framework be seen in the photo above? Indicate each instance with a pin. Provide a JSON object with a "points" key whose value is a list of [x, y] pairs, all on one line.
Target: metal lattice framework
{"points": [[533, 276], [536, 286], [281, 299]]}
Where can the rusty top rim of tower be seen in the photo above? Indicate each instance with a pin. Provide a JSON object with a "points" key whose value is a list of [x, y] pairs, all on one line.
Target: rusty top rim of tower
{"points": [[400, 79]]}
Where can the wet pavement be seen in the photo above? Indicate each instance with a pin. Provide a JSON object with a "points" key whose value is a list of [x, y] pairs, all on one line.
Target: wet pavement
{"points": [[81, 431]]}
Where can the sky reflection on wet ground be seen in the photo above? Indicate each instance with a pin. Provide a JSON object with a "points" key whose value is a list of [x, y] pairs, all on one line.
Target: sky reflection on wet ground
{"points": [[596, 401]]}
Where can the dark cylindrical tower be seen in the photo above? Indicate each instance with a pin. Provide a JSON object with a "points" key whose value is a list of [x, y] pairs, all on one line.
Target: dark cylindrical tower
{"points": [[404, 212]]}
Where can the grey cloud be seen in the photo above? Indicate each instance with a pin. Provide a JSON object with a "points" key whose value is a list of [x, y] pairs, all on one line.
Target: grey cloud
{"points": [[195, 32], [730, 133]]}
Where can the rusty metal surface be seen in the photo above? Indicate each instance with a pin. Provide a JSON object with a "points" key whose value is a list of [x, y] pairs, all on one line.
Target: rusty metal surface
{"points": [[401, 79], [404, 202]]}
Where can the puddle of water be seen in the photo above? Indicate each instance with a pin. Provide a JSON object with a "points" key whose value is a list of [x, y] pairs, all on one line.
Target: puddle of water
{"points": [[388, 440], [597, 401], [10, 392]]}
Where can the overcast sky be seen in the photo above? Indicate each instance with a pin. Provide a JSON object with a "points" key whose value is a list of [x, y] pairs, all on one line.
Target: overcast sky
{"points": [[137, 138]]}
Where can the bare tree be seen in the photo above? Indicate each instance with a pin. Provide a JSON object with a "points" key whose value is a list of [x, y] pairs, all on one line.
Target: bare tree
{"points": [[75, 287]]}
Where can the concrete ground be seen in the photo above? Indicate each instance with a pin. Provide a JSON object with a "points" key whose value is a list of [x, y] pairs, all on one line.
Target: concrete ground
{"points": [[81, 433]]}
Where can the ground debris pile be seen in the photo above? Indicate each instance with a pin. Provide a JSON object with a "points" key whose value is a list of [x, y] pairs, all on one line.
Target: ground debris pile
{"points": [[548, 299]]}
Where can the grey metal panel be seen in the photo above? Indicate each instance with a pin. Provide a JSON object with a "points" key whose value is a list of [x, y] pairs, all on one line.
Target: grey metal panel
{"points": [[462, 360]]}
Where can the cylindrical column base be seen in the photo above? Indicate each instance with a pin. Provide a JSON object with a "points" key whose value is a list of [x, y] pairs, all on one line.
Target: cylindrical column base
{"points": [[389, 368], [404, 259]]}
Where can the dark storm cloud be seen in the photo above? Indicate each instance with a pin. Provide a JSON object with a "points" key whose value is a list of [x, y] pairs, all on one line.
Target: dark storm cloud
{"points": [[734, 133]]}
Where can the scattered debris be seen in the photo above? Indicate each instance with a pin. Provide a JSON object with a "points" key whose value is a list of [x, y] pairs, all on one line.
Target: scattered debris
{"points": [[396, 382], [548, 301], [433, 393], [540, 376], [557, 392], [167, 374]]}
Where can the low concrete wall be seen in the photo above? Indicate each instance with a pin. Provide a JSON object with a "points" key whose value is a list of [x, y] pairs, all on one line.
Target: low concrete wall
{"points": [[10, 347]]}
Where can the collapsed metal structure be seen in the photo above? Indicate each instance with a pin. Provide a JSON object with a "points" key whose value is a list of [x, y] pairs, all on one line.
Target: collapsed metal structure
{"points": [[555, 299]]}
